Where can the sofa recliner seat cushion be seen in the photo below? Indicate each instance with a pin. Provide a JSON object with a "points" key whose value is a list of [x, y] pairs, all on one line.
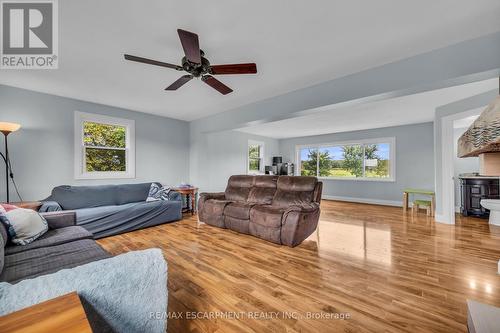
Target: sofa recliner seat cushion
{"points": [[265, 222], [238, 225], [46, 260], [111, 220], [267, 215], [267, 233], [239, 210], [52, 237]]}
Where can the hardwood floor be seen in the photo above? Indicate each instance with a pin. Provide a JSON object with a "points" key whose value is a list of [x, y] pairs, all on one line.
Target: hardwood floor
{"points": [[388, 271]]}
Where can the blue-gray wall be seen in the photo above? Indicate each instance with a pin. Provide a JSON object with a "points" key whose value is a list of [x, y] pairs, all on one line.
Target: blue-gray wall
{"points": [[414, 162], [42, 152], [226, 155]]}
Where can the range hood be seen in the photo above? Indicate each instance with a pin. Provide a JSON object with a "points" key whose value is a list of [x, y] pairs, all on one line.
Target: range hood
{"points": [[483, 139]]}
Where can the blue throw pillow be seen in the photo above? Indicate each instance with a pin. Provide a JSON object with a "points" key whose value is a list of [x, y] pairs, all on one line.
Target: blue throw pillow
{"points": [[158, 192]]}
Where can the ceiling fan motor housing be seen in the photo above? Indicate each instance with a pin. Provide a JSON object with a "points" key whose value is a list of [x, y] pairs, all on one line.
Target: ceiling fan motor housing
{"points": [[195, 69]]}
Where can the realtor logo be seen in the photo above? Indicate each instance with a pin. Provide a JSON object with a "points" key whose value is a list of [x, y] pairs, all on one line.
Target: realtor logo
{"points": [[29, 34]]}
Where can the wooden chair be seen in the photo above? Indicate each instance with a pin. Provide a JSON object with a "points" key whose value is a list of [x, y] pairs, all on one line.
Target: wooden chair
{"points": [[424, 204]]}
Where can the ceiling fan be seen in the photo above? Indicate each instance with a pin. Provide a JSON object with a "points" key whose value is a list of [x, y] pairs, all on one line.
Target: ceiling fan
{"points": [[196, 65]]}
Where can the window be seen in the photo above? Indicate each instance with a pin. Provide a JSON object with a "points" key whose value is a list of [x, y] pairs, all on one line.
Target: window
{"points": [[255, 157], [104, 147], [364, 160]]}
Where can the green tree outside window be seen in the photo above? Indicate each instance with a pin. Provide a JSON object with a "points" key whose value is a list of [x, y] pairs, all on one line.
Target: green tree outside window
{"points": [[349, 161], [105, 147], [254, 157]]}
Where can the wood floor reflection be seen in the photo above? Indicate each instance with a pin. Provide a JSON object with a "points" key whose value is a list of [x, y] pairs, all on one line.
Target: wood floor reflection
{"points": [[390, 271]]}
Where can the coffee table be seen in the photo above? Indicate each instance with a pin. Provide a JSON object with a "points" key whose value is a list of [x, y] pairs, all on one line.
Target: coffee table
{"points": [[61, 314]]}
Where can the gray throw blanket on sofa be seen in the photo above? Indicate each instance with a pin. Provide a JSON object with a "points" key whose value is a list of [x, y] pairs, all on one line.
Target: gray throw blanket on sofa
{"points": [[106, 210], [126, 293]]}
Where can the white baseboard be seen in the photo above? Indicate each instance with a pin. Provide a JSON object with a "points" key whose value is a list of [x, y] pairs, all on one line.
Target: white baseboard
{"points": [[440, 218], [364, 200]]}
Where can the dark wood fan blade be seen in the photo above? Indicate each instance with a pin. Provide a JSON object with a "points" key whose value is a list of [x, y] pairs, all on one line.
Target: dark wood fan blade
{"points": [[249, 68], [152, 62], [180, 82], [216, 84], [191, 45]]}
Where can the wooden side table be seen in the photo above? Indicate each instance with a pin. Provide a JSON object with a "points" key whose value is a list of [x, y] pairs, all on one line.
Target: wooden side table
{"points": [[61, 314], [190, 194], [33, 205]]}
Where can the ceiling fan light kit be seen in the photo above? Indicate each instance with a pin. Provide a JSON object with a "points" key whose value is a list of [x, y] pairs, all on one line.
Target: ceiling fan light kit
{"points": [[197, 66]]}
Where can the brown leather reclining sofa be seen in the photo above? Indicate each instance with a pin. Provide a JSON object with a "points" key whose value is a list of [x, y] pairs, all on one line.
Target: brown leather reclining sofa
{"points": [[280, 209]]}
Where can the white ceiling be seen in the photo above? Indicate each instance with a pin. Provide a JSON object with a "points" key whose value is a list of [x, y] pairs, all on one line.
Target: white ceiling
{"points": [[295, 44], [411, 109]]}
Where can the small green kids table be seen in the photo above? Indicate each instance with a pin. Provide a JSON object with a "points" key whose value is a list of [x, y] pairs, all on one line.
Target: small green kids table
{"points": [[408, 191]]}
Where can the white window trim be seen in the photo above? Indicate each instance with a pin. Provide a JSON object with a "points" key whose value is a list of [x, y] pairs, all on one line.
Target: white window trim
{"points": [[392, 162], [262, 151], [79, 151]]}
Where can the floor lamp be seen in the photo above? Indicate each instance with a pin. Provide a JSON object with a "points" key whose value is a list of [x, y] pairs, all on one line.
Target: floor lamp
{"points": [[6, 129]]}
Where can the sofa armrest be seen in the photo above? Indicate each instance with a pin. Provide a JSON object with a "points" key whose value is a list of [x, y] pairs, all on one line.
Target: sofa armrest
{"points": [[318, 191], [207, 196], [49, 206], [299, 222], [61, 219], [206, 212], [305, 207], [202, 213], [174, 196]]}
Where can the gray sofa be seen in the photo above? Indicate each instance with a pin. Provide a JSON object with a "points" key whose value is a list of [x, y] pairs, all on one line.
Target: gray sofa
{"points": [[118, 293], [107, 210], [65, 245]]}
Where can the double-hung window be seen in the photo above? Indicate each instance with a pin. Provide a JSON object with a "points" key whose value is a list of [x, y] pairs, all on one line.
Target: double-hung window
{"points": [[104, 147], [255, 157], [372, 159]]}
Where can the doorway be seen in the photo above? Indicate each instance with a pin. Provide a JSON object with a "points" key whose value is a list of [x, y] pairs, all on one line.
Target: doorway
{"points": [[449, 179]]}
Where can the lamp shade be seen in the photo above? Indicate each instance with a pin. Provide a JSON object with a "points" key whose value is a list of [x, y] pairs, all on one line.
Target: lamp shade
{"points": [[9, 127]]}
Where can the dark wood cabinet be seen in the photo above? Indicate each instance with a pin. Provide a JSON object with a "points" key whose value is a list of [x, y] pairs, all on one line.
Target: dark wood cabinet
{"points": [[473, 190]]}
